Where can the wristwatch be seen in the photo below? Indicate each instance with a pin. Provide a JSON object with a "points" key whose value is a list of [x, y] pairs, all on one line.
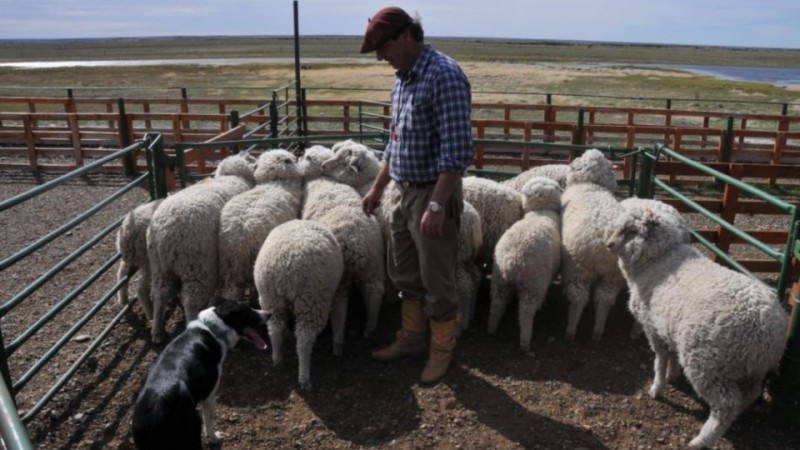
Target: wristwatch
{"points": [[435, 207]]}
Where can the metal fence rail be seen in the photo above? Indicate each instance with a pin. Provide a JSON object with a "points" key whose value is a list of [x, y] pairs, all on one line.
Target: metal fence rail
{"points": [[13, 432]]}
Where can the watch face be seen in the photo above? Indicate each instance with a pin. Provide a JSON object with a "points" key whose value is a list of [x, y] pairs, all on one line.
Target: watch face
{"points": [[434, 206]]}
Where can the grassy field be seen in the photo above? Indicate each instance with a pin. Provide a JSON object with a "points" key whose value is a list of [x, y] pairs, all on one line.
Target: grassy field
{"points": [[500, 71]]}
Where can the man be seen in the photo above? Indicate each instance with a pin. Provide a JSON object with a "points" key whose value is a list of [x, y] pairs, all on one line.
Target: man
{"points": [[429, 149]]}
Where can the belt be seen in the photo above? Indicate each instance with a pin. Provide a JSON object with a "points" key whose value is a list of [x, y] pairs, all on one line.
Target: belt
{"points": [[415, 185]]}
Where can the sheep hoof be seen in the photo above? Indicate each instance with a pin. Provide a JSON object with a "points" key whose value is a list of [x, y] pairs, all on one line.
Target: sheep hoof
{"points": [[215, 438], [569, 337], [597, 336], [305, 385], [654, 391], [338, 349], [697, 444], [158, 338]]}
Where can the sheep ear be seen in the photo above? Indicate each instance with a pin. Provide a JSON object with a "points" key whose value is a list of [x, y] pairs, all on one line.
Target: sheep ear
{"points": [[650, 222]]}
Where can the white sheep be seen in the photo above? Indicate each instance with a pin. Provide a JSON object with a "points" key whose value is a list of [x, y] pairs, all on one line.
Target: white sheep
{"points": [[353, 164], [338, 207], [297, 273], [312, 160], [468, 272], [726, 329], [248, 218], [527, 257], [182, 241], [588, 269], [499, 207], [556, 172], [132, 246]]}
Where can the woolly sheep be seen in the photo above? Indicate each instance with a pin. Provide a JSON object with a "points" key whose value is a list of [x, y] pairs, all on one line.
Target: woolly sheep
{"points": [[182, 241], [527, 257], [338, 207], [353, 164], [726, 329], [588, 207], [311, 161], [468, 272], [298, 272], [247, 218], [499, 207], [557, 172], [132, 245]]}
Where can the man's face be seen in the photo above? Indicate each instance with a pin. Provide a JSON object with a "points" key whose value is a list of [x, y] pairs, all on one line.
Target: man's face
{"points": [[398, 52]]}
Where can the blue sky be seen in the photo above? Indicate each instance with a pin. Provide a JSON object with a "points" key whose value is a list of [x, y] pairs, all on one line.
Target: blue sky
{"points": [[741, 23]]}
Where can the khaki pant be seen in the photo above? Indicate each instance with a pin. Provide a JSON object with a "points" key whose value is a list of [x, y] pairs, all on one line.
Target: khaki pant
{"points": [[423, 267]]}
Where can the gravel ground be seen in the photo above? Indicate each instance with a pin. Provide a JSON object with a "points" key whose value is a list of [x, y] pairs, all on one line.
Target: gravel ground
{"points": [[581, 395]]}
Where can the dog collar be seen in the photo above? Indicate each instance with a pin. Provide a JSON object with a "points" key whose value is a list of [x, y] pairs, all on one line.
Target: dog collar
{"points": [[215, 330]]}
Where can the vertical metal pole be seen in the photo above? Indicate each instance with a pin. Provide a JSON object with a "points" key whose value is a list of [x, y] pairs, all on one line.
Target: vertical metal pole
{"points": [[299, 94], [4, 369], [159, 162], [234, 124]]}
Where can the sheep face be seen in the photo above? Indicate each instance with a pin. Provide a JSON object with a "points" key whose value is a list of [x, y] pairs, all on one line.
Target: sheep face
{"points": [[642, 234], [541, 193], [312, 159], [592, 167], [349, 162], [275, 165]]}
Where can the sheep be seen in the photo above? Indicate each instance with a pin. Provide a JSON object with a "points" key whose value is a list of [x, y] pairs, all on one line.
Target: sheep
{"points": [[182, 241], [588, 207], [557, 172], [298, 271], [468, 272], [499, 207], [527, 257], [312, 160], [353, 164], [247, 218], [725, 329], [132, 246], [338, 207]]}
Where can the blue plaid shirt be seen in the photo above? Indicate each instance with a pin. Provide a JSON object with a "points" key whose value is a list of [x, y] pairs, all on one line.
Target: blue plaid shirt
{"points": [[431, 129]]}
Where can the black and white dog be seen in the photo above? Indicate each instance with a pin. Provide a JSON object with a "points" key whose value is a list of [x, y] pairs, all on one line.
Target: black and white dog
{"points": [[187, 373]]}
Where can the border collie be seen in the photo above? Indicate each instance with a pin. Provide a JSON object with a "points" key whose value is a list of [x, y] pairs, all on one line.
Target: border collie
{"points": [[187, 373]]}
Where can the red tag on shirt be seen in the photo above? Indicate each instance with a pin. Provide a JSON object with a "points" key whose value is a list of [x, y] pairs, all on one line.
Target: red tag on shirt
{"points": [[394, 135]]}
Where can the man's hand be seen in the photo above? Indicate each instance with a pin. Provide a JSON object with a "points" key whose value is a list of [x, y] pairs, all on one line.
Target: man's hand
{"points": [[371, 201], [432, 224]]}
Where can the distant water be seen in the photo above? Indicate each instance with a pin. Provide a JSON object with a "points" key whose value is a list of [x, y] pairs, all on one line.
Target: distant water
{"points": [[776, 76]]}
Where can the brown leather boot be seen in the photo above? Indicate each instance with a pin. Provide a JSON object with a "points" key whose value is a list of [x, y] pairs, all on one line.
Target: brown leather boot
{"points": [[443, 341], [410, 338]]}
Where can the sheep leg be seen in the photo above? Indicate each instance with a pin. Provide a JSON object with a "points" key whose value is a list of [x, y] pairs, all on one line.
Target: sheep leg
{"points": [[529, 302], [578, 296], [163, 290], [339, 318], [475, 278], [196, 297], [659, 366], [276, 326], [605, 297], [373, 296], [501, 293], [673, 367], [124, 270], [143, 294], [305, 344], [725, 401]]}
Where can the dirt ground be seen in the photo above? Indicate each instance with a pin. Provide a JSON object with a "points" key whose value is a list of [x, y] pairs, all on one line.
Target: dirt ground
{"points": [[561, 395]]}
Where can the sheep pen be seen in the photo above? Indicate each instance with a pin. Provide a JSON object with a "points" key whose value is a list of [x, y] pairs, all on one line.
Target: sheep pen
{"points": [[561, 395]]}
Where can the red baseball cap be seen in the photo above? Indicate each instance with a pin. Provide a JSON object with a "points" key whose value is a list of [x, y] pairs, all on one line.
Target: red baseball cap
{"points": [[384, 25]]}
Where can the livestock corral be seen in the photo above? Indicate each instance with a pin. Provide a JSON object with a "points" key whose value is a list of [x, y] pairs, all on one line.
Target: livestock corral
{"points": [[555, 393]]}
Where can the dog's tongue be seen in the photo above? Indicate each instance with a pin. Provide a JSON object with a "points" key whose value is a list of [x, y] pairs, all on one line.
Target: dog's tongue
{"points": [[255, 338]]}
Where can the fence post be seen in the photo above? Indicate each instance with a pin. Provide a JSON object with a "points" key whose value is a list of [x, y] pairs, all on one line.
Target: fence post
{"points": [[124, 139], [6, 372], [156, 142], [273, 117], [646, 174], [579, 130], [234, 124], [70, 106]]}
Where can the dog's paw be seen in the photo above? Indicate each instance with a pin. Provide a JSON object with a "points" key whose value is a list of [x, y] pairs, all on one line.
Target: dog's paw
{"points": [[215, 437]]}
